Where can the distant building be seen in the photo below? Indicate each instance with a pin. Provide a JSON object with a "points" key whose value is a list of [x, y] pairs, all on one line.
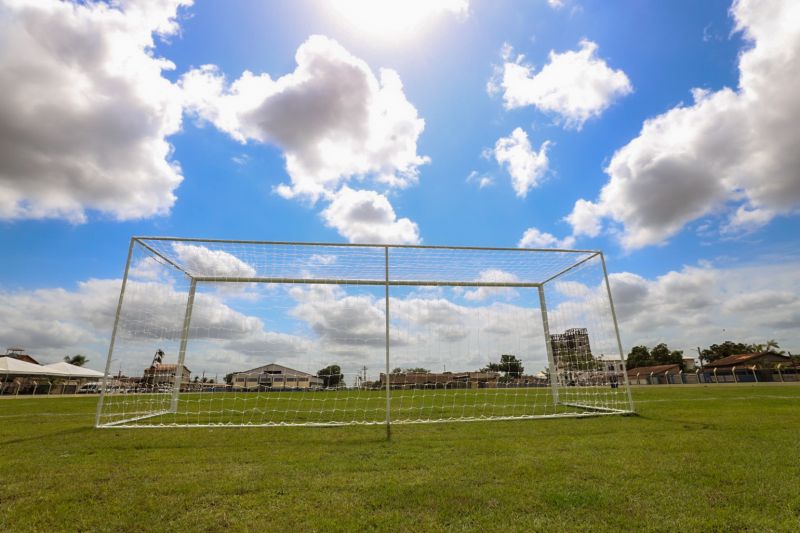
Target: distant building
{"points": [[275, 376], [572, 356], [611, 365], [759, 360], [654, 375], [470, 380], [19, 354], [571, 346], [689, 364], [160, 374]]}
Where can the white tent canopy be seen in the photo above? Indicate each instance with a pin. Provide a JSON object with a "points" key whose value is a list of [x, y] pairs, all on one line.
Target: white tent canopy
{"points": [[73, 371], [15, 367]]}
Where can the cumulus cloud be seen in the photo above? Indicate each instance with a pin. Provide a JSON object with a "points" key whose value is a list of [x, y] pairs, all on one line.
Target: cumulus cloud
{"points": [[85, 111], [270, 346], [492, 275], [699, 306], [533, 238], [686, 308], [427, 329], [731, 150], [368, 217], [341, 321], [332, 117], [55, 322], [525, 165], [574, 85], [202, 261], [586, 218]]}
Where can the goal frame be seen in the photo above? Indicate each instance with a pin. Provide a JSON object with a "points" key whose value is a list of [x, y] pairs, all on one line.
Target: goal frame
{"points": [[387, 283]]}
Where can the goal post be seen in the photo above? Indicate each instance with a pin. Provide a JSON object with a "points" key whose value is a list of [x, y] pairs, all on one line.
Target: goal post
{"points": [[244, 333]]}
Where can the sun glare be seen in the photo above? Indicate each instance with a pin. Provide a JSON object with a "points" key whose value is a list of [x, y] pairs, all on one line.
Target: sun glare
{"points": [[394, 19]]}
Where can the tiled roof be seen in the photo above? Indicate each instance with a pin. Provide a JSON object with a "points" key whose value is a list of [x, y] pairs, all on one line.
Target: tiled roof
{"points": [[742, 358], [658, 369]]}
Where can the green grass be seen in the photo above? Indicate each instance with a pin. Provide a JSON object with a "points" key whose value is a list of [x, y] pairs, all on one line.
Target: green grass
{"points": [[352, 406], [713, 458]]}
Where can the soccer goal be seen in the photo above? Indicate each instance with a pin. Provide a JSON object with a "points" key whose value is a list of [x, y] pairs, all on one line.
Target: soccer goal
{"points": [[241, 333]]}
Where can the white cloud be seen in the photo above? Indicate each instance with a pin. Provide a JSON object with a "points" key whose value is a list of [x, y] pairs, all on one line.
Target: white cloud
{"points": [[341, 320], [368, 217], [322, 259], [687, 308], [56, 322], [555, 4], [525, 165], [700, 306], [269, 346], [761, 300], [585, 218], [426, 331], [732, 151], [332, 117], [533, 238], [85, 111], [574, 85], [202, 261], [492, 275], [483, 180]]}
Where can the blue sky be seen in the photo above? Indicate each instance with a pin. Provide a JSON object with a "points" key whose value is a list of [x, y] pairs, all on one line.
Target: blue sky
{"points": [[704, 202]]}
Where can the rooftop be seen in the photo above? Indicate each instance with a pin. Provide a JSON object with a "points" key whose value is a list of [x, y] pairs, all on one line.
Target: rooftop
{"points": [[743, 358], [657, 369]]}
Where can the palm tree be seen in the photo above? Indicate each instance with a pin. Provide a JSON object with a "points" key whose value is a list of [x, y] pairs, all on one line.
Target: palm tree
{"points": [[77, 360], [772, 346]]}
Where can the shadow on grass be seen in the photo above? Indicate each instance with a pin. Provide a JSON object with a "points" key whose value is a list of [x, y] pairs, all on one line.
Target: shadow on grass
{"points": [[685, 424], [61, 433], [187, 437]]}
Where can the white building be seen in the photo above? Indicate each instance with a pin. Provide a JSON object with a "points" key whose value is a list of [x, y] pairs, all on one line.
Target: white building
{"points": [[275, 376]]}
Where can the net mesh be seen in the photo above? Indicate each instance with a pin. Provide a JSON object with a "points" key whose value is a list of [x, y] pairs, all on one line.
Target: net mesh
{"points": [[262, 334]]}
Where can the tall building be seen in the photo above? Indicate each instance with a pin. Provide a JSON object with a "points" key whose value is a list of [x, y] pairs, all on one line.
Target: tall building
{"points": [[571, 349], [160, 374]]}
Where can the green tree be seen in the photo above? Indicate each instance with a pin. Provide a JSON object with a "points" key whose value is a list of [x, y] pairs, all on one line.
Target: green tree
{"points": [[77, 360], [509, 365], [662, 355], [397, 370], [638, 357], [229, 378], [331, 376], [727, 348], [773, 346], [418, 370]]}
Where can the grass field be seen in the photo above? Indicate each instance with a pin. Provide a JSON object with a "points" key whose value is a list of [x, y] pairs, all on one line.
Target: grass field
{"points": [[698, 458], [354, 406]]}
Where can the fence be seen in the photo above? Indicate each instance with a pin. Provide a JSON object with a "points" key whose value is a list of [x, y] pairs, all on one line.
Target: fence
{"points": [[37, 387], [727, 375]]}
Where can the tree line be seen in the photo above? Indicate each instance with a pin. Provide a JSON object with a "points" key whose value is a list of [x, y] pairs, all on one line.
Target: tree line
{"points": [[660, 354]]}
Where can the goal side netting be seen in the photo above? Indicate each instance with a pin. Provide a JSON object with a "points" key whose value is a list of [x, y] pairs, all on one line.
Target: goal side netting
{"points": [[230, 333]]}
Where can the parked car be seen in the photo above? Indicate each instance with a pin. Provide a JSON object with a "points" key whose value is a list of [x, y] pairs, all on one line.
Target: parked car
{"points": [[90, 388]]}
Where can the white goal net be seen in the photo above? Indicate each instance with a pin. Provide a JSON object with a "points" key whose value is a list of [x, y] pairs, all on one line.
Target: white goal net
{"points": [[235, 333]]}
